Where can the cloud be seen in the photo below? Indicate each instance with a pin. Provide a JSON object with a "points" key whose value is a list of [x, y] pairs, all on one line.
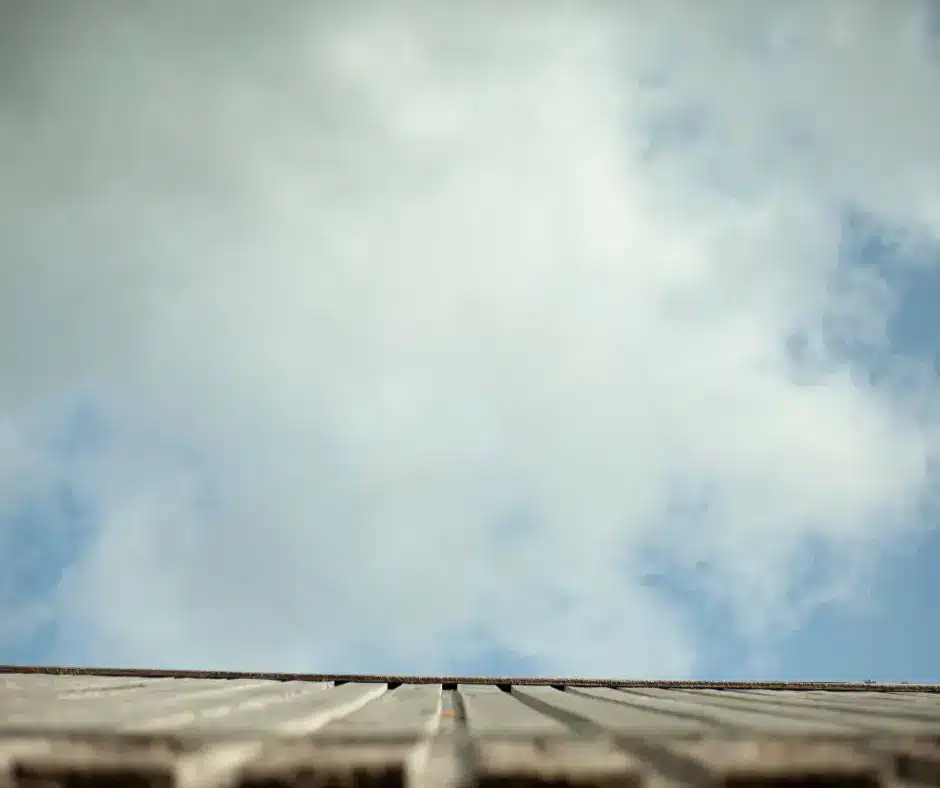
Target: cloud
{"points": [[421, 334]]}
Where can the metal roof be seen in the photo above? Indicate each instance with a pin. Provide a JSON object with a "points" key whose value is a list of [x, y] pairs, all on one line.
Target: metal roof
{"points": [[239, 730]]}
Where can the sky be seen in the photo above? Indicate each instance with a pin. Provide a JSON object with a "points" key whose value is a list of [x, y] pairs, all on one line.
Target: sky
{"points": [[535, 338]]}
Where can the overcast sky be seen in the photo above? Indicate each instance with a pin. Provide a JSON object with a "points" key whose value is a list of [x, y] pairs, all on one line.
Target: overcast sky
{"points": [[584, 338]]}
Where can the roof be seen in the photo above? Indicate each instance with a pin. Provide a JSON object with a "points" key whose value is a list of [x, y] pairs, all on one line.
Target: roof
{"points": [[216, 729]]}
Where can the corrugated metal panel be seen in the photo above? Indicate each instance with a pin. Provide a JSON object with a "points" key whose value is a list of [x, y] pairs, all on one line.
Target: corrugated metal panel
{"points": [[70, 727]]}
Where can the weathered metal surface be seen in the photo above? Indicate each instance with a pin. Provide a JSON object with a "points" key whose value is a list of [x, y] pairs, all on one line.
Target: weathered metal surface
{"points": [[86, 731], [765, 719], [744, 763], [302, 709], [582, 762], [489, 710], [411, 710], [780, 717], [587, 714]]}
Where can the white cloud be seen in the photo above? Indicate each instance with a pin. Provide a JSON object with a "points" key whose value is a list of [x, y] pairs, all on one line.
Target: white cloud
{"points": [[356, 288]]}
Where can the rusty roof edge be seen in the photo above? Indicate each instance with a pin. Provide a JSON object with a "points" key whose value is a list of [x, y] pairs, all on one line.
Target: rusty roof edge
{"points": [[382, 678]]}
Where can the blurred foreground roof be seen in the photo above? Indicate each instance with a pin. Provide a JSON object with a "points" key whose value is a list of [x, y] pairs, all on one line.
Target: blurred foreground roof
{"points": [[88, 727]]}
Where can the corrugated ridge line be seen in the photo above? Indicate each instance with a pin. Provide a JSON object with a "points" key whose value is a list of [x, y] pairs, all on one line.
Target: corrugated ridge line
{"points": [[507, 680]]}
